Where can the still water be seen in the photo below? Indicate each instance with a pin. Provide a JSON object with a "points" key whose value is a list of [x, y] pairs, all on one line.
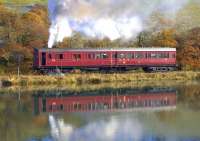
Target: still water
{"points": [[101, 113]]}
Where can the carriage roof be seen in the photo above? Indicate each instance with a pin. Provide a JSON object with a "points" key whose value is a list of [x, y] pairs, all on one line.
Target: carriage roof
{"points": [[106, 49]]}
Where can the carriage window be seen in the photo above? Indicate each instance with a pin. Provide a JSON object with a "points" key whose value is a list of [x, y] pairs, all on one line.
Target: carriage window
{"points": [[162, 55], [159, 55], [104, 55], [129, 55], [79, 107], [172, 55], [61, 107], [166, 55], [50, 57], [98, 56], [59, 56], [138, 55], [50, 108], [101, 56], [146, 55], [114, 56], [76, 57], [121, 55], [153, 55], [149, 55], [91, 56]]}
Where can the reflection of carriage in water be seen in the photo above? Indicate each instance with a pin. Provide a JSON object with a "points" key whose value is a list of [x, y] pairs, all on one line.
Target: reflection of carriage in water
{"points": [[105, 100]]}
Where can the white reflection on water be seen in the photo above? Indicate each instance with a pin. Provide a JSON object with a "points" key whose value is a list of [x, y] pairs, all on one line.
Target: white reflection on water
{"points": [[111, 130], [59, 130]]}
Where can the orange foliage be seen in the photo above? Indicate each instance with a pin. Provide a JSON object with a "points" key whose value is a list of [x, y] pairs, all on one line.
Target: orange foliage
{"points": [[33, 18], [37, 43], [40, 120], [41, 11], [6, 16], [166, 38], [34, 28], [189, 54]]}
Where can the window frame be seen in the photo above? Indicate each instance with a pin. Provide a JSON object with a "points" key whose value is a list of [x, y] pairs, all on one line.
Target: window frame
{"points": [[59, 56], [138, 55], [76, 56]]}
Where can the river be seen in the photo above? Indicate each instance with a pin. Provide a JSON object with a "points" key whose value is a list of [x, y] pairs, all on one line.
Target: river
{"points": [[165, 112]]}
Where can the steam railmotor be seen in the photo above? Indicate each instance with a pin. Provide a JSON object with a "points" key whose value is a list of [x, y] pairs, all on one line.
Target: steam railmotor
{"points": [[149, 59]]}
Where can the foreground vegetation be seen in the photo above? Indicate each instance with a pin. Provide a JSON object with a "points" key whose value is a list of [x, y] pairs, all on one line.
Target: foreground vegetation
{"points": [[97, 78]]}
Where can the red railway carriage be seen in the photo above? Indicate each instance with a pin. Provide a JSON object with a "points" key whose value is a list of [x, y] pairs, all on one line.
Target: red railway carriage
{"points": [[122, 58], [159, 100]]}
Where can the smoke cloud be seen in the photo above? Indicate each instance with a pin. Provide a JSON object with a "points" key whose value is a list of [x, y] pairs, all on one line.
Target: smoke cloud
{"points": [[104, 18]]}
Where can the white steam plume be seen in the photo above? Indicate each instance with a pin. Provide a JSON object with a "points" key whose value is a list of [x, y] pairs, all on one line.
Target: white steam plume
{"points": [[59, 130], [103, 18], [111, 130]]}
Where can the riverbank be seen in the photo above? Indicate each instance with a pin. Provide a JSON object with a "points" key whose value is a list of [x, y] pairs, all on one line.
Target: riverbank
{"points": [[96, 78], [102, 86]]}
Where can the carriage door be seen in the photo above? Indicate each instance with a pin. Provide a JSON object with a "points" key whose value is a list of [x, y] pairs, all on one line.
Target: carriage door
{"points": [[44, 108], [114, 59], [43, 58]]}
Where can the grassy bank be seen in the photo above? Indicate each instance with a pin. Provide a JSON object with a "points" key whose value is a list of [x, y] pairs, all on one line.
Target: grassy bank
{"points": [[74, 88], [96, 78]]}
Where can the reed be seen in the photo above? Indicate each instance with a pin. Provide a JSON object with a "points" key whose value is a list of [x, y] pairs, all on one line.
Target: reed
{"points": [[88, 87], [97, 78]]}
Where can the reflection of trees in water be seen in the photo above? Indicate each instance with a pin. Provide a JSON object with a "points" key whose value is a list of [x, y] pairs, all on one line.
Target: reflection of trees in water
{"points": [[189, 96], [8, 125], [16, 120]]}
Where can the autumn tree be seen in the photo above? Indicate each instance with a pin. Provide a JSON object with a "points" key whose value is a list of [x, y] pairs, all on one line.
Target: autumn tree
{"points": [[34, 31], [158, 21], [99, 43], [189, 51], [20, 32], [7, 24], [188, 17], [165, 38], [144, 39]]}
